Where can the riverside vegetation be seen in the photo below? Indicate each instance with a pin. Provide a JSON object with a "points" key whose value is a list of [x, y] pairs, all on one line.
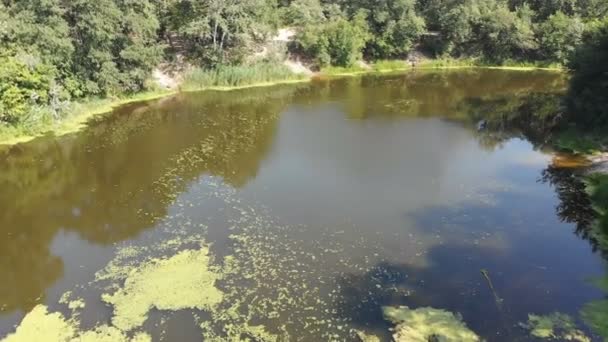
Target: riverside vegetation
{"points": [[59, 60]]}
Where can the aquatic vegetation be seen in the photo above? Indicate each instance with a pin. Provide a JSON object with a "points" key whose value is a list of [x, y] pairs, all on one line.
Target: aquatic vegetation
{"points": [[238, 76], [425, 324], [241, 332], [184, 281], [554, 326], [40, 325], [367, 337], [595, 313], [73, 304], [597, 188]]}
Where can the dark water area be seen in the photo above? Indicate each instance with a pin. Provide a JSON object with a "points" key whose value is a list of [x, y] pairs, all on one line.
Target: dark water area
{"points": [[338, 197]]}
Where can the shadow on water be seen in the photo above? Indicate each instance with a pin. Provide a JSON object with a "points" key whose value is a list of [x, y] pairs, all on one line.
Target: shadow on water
{"points": [[451, 278], [102, 183], [517, 282]]}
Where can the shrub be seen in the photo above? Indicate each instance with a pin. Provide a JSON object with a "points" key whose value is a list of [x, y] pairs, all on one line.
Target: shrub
{"points": [[587, 100], [21, 87], [559, 36], [339, 42]]}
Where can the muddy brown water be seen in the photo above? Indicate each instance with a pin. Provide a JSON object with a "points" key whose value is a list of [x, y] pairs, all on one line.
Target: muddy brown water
{"points": [[357, 193]]}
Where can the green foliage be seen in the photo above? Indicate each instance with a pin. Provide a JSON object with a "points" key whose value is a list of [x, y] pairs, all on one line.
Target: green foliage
{"points": [[115, 44], [21, 87], [220, 31], [597, 187], [304, 12], [235, 76], [554, 326], [595, 315], [52, 50], [394, 25], [559, 36], [337, 42], [587, 100], [388, 65], [503, 33]]}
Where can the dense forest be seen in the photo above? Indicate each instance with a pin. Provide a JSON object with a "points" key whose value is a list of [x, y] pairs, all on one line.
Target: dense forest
{"points": [[55, 51]]}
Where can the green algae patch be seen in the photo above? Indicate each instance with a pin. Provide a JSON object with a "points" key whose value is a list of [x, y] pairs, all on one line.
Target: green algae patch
{"points": [[367, 337], [240, 332], [73, 304], [425, 324], [40, 325], [106, 333], [184, 281], [555, 326]]}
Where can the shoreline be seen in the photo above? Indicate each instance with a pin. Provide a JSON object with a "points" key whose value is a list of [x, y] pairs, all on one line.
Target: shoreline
{"points": [[86, 111]]}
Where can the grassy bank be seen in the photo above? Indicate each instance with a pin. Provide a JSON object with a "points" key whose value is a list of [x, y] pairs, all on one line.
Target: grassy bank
{"points": [[77, 114], [73, 118], [231, 77], [384, 66]]}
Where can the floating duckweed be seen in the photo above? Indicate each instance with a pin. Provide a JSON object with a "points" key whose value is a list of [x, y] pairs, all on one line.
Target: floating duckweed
{"points": [[595, 315], [554, 326], [245, 332], [73, 304], [106, 333], [366, 337], [40, 325], [423, 324], [184, 281]]}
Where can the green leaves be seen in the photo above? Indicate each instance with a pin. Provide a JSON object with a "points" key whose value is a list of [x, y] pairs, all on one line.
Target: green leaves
{"points": [[338, 42], [559, 36], [587, 100], [22, 86]]}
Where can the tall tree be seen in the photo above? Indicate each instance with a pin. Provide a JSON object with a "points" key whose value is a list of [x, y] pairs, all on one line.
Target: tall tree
{"points": [[587, 100], [394, 25]]}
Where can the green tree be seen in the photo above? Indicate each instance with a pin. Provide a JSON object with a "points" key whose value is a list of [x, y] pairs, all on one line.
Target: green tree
{"points": [[305, 12], [115, 44], [587, 100], [592, 9], [222, 31], [559, 36], [338, 41], [37, 27], [504, 34], [394, 25], [22, 86]]}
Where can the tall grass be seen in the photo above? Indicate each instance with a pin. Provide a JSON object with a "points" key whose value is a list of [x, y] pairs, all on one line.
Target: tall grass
{"points": [[478, 62], [389, 65], [338, 70], [238, 76]]}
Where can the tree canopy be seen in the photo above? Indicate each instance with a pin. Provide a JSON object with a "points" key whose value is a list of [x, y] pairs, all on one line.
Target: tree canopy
{"points": [[52, 51]]}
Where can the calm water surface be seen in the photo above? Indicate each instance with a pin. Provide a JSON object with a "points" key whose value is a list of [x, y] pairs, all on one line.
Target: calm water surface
{"points": [[347, 195]]}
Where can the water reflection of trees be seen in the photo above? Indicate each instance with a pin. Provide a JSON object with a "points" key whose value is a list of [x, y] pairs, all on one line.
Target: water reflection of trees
{"points": [[95, 183], [428, 94], [536, 118], [583, 199]]}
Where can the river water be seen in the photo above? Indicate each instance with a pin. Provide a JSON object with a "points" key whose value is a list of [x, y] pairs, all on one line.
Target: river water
{"points": [[320, 205]]}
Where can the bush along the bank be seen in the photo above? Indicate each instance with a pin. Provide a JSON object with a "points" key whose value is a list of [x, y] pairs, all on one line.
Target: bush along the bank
{"points": [[588, 94]]}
